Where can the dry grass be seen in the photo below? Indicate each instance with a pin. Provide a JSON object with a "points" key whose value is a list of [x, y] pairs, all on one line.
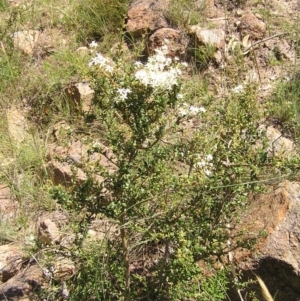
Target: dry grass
{"points": [[265, 292]]}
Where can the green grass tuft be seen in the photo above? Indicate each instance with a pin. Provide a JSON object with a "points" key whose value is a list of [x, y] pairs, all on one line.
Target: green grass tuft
{"points": [[99, 20], [286, 105]]}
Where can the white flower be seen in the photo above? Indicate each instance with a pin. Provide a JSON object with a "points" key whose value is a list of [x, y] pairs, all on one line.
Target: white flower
{"points": [[123, 92], [103, 62], [182, 112], [159, 72], [200, 164], [195, 110], [209, 157], [99, 59], [189, 110], [207, 172], [138, 64], [93, 44], [204, 164], [238, 89], [179, 96], [109, 68]]}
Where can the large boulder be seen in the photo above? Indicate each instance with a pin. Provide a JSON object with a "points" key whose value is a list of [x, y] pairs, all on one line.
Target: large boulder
{"points": [[22, 285], [274, 218]]}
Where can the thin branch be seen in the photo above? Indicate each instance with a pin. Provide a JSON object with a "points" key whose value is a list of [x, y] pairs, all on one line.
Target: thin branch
{"points": [[264, 40]]}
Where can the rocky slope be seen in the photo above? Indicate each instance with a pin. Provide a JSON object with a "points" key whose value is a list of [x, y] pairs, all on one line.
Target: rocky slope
{"points": [[273, 215]]}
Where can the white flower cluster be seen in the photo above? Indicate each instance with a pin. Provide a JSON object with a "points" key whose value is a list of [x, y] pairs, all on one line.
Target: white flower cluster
{"points": [[160, 71], [190, 110], [122, 93], [205, 164], [102, 61], [93, 44]]}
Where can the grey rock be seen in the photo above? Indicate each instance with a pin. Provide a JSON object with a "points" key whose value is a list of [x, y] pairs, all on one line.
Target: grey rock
{"points": [[206, 37], [26, 40]]}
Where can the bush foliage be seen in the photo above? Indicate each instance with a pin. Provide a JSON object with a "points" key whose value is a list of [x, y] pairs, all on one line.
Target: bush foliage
{"points": [[175, 189]]}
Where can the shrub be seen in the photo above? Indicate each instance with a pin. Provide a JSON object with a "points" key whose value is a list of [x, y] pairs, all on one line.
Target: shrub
{"points": [[175, 189]]}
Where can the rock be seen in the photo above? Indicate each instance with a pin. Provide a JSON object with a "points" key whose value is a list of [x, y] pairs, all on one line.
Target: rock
{"points": [[175, 40], [62, 173], [15, 2], [218, 57], [83, 50], [22, 285], [276, 257], [145, 15], [279, 145], [80, 96], [64, 268], [78, 152], [48, 232], [17, 125], [50, 39], [239, 12], [67, 170], [11, 260], [212, 10], [102, 229], [219, 23], [281, 50], [62, 130], [80, 175], [206, 37], [251, 25], [68, 163], [86, 94], [8, 207], [26, 40]]}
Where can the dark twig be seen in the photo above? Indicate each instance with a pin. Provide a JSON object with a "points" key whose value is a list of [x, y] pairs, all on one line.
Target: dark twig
{"points": [[264, 40]]}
